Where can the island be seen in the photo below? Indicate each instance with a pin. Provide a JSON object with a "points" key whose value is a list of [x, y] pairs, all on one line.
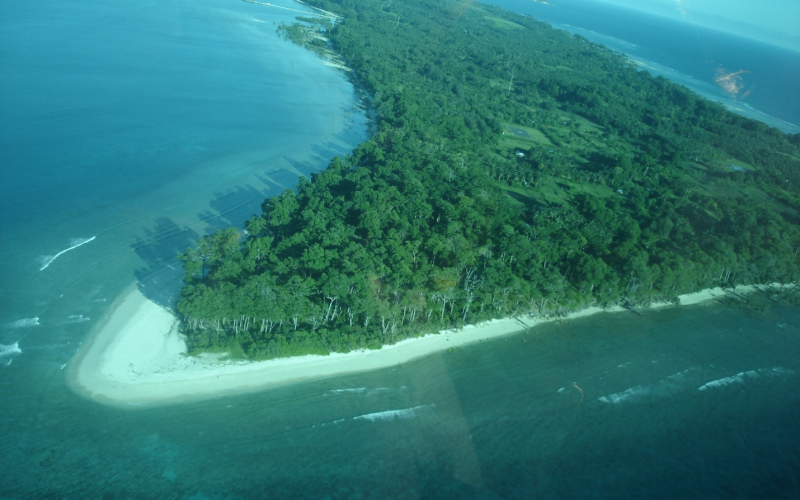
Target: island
{"points": [[518, 174]]}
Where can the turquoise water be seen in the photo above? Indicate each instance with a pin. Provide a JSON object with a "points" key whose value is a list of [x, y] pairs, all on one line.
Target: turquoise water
{"points": [[145, 125], [697, 402]]}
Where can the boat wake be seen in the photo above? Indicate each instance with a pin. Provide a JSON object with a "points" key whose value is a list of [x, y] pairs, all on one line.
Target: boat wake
{"points": [[48, 259]]}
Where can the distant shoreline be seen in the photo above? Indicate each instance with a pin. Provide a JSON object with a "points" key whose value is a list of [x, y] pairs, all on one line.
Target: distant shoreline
{"points": [[137, 357]]}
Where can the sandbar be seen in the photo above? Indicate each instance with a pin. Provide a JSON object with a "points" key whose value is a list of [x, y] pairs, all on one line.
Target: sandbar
{"points": [[138, 357]]}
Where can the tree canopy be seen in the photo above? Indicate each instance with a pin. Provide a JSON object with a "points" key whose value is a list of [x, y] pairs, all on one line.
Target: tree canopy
{"points": [[516, 169]]}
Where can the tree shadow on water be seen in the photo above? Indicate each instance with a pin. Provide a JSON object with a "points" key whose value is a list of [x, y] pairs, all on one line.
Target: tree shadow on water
{"points": [[233, 207], [280, 180], [160, 279], [315, 160]]}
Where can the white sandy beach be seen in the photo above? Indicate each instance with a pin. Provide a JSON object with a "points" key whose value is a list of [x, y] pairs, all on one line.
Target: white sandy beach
{"points": [[138, 357]]}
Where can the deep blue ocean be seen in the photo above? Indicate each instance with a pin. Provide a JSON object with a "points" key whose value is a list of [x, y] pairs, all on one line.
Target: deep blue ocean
{"points": [[128, 130]]}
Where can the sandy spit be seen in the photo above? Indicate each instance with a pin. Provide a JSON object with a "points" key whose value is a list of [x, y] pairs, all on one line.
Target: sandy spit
{"points": [[137, 357]]}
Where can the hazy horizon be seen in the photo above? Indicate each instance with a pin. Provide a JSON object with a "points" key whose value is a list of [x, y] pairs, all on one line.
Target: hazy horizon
{"points": [[771, 21]]}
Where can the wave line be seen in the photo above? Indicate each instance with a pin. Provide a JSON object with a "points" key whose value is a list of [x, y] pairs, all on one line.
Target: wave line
{"points": [[54, 257]]}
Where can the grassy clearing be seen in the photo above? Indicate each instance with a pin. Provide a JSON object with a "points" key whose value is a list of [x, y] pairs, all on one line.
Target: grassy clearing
{"points": [[793, 157], [503, 84], [559, 68], [570, 134], [547, 194], [504, 24], [517, 136], [733, 162], [584, 125]]}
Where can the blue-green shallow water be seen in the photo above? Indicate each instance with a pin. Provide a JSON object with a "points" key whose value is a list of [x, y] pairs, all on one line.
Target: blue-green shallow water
{"points": [[695, 402], [143, 125]]}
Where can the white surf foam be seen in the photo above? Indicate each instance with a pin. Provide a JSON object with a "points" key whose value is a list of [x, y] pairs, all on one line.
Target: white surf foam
{"points": [[334, 422], [624, 395], [390, 414], [77, 318], [24, 323], [734, 379], [48, 259], [356, 390], [362, 390], [663, 387], [742, 377], [10, 350]]}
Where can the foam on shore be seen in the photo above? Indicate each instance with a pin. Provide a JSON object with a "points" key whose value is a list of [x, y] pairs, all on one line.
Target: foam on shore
{"points": [[138, 357]]}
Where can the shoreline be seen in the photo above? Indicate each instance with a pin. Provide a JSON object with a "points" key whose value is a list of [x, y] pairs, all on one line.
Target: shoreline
{"points": [[136, 356]]}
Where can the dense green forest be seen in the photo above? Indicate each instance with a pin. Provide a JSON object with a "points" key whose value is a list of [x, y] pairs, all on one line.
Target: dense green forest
{"points": [[516, 169]]}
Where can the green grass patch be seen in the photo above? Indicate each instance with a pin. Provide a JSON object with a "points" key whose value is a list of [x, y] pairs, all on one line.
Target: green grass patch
{"points": [[504, 24], [551, 191], [584, 125], [517, 136], [600, 191], [793, 157], [558, 68], [733, 162]]}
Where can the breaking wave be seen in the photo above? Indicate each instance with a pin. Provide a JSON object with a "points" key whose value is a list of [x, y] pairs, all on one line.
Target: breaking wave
{"points": [[665, 387], [356, 390], [390, 414], [77, 318], [380, 415], [48, 259], [24, 323], [742, 377], [364, 390], [624, 395], [8, 351]]}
